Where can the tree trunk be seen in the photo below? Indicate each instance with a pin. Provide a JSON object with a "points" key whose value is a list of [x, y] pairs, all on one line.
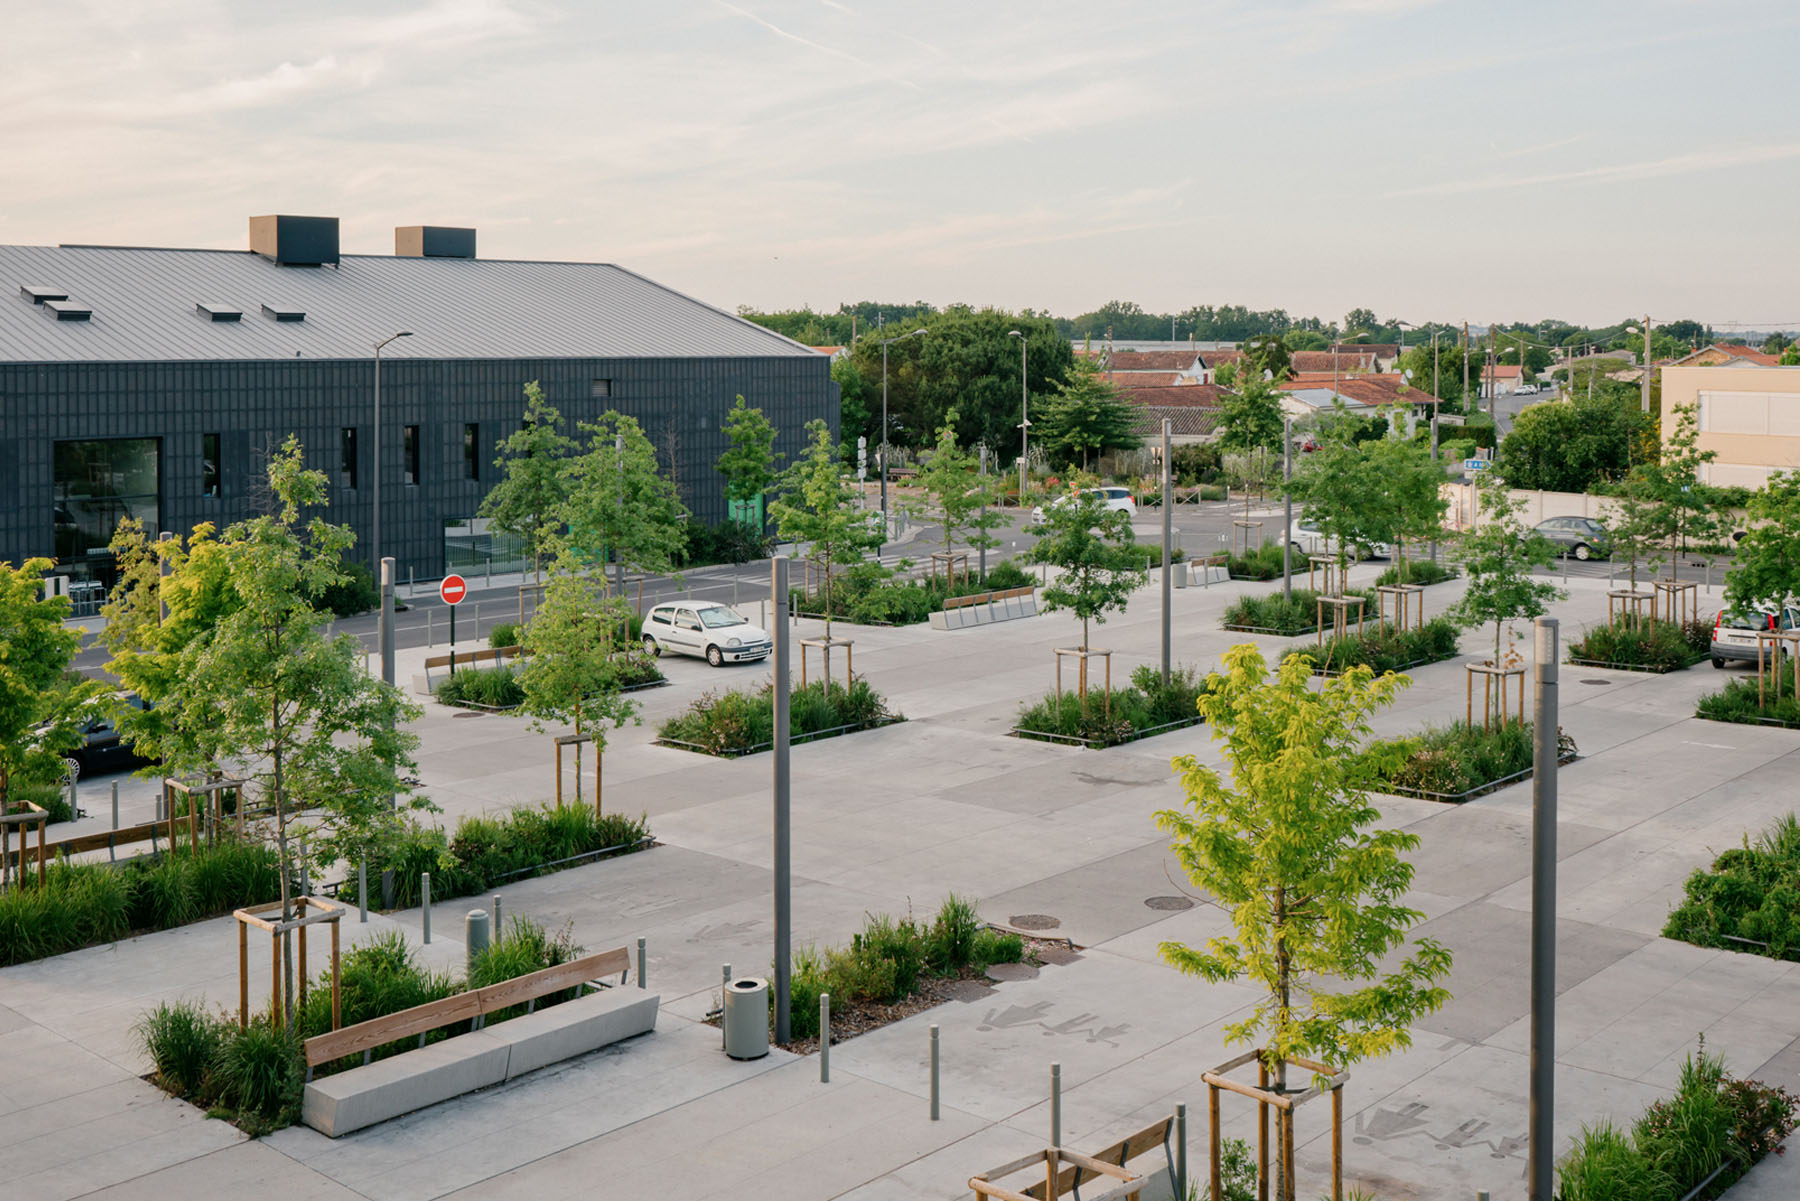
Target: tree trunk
{"points": [[281, 845], [1284, 995]]}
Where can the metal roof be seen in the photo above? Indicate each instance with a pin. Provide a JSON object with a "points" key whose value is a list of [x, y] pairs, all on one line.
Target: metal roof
{"points": [[144, 299]]}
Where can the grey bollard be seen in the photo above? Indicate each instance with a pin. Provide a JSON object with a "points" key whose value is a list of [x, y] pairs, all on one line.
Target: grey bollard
{"points": [[1056, 1105], [499, 922], [643, 963], [425, 904], [1482, 1195], [362, 890], [305, 870], [428, 637], [824, 1038], [1181, 1176], [724, 983], [475, 937], [934, 1072], [115, 824]]}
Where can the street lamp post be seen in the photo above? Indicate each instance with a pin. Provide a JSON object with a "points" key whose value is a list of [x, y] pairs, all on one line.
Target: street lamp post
{"points": [[884, 424], [1024, 415], [375, 538]]}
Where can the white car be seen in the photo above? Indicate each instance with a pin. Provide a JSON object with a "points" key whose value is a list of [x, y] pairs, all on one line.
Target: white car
{"points": [[1525, 390], [1116, 499], [716, 633], [1308, 539]]}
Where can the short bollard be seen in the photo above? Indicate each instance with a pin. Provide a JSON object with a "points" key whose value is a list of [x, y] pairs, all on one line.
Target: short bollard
{"points": [[1056, 1105], [305, 870], [425, 903], [475, 938], [1181, 1189], [724, 983], [1482, 1195], [824, 1038], [499, 922], [934, 1072], [362, 890], [115, 824], [642, 964]]}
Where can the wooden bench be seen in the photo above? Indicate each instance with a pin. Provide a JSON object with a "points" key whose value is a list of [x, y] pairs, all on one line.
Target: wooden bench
{"points": [[983, 608], [350, 1100], [491, 655], [1085, 1169]]}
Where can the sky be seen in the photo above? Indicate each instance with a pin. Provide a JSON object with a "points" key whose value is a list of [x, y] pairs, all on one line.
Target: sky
{"points": [[1428, 159]]}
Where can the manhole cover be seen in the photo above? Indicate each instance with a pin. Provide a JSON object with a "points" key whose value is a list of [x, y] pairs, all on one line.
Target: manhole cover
{"points": [[1002, 972], [1032, 921], [465, 713], [1600, 682], [1169, 904]]}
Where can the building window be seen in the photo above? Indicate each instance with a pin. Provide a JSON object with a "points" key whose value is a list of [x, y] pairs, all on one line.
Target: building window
{"points": [[602, 389], [209, 465], [472, 450], [347, 456], [411, 451], [96, 485]]}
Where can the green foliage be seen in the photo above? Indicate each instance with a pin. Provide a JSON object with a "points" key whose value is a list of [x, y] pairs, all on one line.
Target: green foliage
{"points": [[487, 687], [887, 961], [1276, 614], [619, 508], [1606, 1165], [1265, 354], [1196, 463], [259, 1072], [528, 501], [525, 947], [1121, 716], [1686, 508], [574, 671], [1498, 554], [1345, 493], [1084, 416], [1284, 842], [1739, 702], [353, 592], [1250, 417], [748, 465], [1766, 570], [869, 594], [181, 1041], [1459, 758], [1383, 648], [1659, 646], [1422, 572], [817, 507], [742, 723], [1751, 892], [504, 634], [1571, 447], [1091, 544], [485, 852], [727, 542], [959, 499], [35, 689], [83, 904], [1263, 563]]}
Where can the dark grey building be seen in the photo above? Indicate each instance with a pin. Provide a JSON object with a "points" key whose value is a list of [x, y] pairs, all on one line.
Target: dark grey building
{"points": [[152, 383]]}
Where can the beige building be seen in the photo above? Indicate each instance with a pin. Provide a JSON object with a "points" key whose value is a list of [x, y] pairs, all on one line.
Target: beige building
{"points": [[1748, 415]]}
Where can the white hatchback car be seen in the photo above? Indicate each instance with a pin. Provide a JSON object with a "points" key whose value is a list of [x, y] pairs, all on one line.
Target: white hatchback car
{"points": [[1115, 499], [1308, 539], [712, 632]]}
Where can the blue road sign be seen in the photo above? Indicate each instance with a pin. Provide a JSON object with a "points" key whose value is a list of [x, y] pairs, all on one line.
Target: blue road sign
{"points": [[1476, 464]]}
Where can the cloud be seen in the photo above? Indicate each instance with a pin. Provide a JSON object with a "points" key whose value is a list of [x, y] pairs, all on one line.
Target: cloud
{"points": [[1678, 164], [273, 86], [821, 47], [1526, 151]]}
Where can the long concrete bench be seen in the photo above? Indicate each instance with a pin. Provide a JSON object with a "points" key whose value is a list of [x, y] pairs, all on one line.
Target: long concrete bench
{"points": [[493, 655], [983, 608], [374, 1092]]}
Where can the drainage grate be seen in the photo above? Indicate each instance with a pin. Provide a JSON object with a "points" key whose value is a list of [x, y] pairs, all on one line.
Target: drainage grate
{"points": [[1033, 921], [1599, 682], [1169, 904]]}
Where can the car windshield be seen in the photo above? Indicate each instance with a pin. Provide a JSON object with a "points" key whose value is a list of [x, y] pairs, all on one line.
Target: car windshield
{"points": [[716, 616]]}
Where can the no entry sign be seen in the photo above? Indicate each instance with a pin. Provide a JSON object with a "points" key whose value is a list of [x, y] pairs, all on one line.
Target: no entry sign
{"points": [[453, 589]]}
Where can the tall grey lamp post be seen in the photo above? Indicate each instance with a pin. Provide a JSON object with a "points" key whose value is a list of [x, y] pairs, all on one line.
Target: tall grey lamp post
{"points": [[1024, 415], [886, 342], [375, 538]]}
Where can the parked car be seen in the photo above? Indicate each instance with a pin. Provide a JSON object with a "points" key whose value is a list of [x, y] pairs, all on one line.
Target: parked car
{"points": [[1734, 634], [101, 749], [1115, 499], [1525, 390], [1307, 539], [1582, 537], [716, 633]]}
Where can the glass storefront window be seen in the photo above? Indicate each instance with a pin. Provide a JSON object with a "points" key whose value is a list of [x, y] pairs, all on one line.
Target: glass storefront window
{"points": [[98, 484]]}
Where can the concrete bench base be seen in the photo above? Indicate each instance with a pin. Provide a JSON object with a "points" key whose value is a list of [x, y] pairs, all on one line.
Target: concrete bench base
{"points": [[387, 1088]]}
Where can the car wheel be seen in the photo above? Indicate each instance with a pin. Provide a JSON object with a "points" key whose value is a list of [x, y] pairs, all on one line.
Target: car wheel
{"points": [[1718, 662], [714, 657], [1582, 552], [651, 648], [71, 767]]}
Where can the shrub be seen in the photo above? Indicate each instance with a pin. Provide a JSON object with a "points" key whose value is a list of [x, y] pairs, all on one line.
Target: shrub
{"points": [[1688, 1136], [49, 795], [729, 542], [1653, 645], [1263, 563], [524, 948], [741, 723], [1384, 648], [870, 594], [181, 1041], [1751, 893], [1196, 463], [1458, 758], [1606, 1165], [995, 946], [1422, 572], [355, 592], [259, 1071], [1737, 702], [504, 634], [953, 933], [489, 687], [1276, 614], [1149, 554], [1145, 705]]}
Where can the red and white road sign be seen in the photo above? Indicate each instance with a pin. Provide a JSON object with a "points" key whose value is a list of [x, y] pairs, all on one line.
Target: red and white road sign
{"points": [[453, 589]]}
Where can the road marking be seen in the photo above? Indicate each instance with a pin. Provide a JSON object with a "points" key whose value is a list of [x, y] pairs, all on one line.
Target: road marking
{"points": [[1711, 746]]}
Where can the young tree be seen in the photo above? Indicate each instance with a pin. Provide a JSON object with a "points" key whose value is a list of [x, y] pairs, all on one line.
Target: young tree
{"points": [[1286, 847], [1634, 527], [527, 502], [1413, 484], [1766, 574], [1686, 506], [619, 505], [1498, 553], [958, 496], [571, 674], [35, 689], [1266, 353], [1249, 471], [749, 465], [1250, 417], [1345, 497], [1100, 567], [817, 507], [1084, 416], [291, 711]]}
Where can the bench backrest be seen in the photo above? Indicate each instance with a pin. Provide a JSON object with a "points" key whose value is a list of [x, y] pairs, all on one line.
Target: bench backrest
{"points": [[986, 598], [1155, 1135], [462, 658], [462, 1007]]}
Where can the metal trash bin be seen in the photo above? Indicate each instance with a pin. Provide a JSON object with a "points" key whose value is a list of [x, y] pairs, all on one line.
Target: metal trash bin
{"points": [[747, 1018], [1178, 574]]}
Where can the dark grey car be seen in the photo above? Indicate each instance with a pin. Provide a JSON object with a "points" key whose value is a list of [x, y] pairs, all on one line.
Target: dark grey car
{"points": [[1582, 537]]}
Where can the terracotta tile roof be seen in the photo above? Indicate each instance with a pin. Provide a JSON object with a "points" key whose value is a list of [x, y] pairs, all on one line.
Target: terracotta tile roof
{"points": [[828, 349], [1369, 389], [1192, 396], [1154, 360], [1719, 352], [1758, 357], [1505, 370], [1385, 350], [1139, 379], [1184, 421], [1320, 360]]}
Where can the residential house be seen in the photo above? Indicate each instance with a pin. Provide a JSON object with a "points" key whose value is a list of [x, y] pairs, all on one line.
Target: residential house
{"points": [[1747, 415]]}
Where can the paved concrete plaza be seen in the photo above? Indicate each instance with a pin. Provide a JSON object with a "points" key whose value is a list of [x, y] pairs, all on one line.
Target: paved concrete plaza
{"points": [[895, 818]]}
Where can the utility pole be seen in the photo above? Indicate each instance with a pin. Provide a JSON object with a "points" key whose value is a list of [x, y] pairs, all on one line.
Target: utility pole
{"points": [[783, 864], [1465, 359], [1287, 504], [1168, 516], [1646, 363], [1541, 1155]]}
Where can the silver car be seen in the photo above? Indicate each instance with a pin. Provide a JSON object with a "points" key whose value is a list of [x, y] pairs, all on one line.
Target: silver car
{"points": [[712, 632], [1734, 634]]}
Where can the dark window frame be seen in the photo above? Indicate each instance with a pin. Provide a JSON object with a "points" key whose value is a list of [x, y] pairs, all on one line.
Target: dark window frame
{"points": [[409, 452], [347, 456], [472, 450], [211, 474]]}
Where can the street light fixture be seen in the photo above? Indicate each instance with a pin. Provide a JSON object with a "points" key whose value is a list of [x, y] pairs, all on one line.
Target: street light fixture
{"points": [[1024, 415], [375, 538], [917, 333]]}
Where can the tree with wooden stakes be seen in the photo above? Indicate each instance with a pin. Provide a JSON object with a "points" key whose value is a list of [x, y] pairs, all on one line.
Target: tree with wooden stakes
{"points": [[1098, 568], [815, 508], [958, 499], [572, 666], [1498, 553], [1250, 470], [1766, 575], [1412, 484], [1284, 840], [1344, 496], [296, 714]]}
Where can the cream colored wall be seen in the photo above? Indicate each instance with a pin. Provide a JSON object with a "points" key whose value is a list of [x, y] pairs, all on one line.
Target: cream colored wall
{"points": [[1750, 417]]}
